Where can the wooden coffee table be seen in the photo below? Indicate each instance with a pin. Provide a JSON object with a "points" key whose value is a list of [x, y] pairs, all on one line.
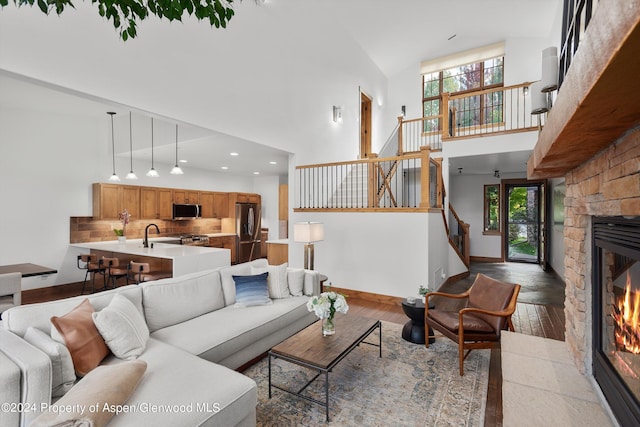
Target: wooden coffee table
{"points": [[310, 349]]}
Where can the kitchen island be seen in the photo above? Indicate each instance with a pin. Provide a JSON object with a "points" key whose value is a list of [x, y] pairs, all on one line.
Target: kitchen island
{"points": [[177, 259]]}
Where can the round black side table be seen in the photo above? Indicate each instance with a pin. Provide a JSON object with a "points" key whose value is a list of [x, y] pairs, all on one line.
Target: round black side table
{"points": [[413, 330]]}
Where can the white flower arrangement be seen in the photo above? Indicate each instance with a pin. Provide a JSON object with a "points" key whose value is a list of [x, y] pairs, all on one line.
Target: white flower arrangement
{"points": [[327, 304]]}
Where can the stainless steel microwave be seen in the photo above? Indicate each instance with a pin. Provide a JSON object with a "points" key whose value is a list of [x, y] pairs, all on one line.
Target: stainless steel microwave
{"points": [[186, 211]]}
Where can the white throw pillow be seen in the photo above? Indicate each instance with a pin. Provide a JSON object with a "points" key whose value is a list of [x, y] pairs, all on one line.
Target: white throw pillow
{"points": [[63, 375], [122, 327], [295, 279], [277, 280]]}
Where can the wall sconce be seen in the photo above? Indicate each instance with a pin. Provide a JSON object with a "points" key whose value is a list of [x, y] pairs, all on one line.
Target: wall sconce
{"points": [[525, 90], [496, 173], [308, 233], [403, 109], [460, 171], [337, 114], [538, 99], [549, 69]]}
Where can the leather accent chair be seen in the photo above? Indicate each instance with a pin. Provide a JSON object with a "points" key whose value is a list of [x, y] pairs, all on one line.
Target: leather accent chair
{"points": [[488, 309]]}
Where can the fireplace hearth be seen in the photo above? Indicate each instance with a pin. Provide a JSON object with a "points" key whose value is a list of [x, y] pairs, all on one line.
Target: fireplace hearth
{"points": [[616, 308]]}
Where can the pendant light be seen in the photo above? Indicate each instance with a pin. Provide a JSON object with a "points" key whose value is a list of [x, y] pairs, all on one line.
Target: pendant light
{"points": [[113, 177], [152, 172], [176, 169], [131, 175]]}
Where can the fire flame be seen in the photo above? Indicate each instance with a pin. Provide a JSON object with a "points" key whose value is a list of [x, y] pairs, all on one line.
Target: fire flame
{"points": [[627, 318]]}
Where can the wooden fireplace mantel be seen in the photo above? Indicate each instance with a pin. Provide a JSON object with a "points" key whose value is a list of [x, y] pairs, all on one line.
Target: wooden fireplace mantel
{"points": [[600, 96]]}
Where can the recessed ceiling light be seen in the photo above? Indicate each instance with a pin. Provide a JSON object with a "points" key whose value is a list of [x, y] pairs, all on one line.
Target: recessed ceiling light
{"points": [[233, 154], [273, 163], [256, 173], [183, 161], [224, 168]]}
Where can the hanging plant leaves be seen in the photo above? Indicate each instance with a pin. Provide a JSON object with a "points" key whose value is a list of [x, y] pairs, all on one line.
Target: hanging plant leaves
{"points": [[126, 14]]}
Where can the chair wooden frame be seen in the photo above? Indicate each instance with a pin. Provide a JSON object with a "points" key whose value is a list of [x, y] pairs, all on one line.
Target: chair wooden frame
{"points": [[470, 340]]}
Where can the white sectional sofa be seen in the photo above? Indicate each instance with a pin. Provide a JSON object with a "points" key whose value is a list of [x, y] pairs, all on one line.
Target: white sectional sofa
{"points": [[197, 337]]}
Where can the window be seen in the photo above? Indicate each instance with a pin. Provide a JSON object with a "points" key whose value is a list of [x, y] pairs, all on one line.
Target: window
{"points": [[470, 111], [492, 209]]}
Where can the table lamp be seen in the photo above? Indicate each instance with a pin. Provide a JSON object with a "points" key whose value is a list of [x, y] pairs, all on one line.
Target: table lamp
{"points": [[308, 233]]}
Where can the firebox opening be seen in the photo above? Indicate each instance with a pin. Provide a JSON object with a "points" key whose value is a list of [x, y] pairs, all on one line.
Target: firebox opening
{"points": [[616, 303]]}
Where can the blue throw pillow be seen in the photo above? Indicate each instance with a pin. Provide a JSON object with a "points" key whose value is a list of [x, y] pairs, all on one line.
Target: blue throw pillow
{"points": [[252, 290]]}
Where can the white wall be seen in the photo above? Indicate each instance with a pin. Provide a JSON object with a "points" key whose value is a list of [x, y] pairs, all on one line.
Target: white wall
{"points": [[381, 253], [267, 187]]}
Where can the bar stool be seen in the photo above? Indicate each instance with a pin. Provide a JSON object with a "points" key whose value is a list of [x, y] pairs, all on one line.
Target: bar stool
{"points": [[141, 272], [89, 263], [113, 271]]}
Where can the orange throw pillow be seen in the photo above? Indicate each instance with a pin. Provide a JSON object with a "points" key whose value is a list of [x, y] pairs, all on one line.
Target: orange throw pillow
{"points": [[86, 345]]}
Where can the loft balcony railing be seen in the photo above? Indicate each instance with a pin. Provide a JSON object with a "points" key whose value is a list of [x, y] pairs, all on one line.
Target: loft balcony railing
{"points": [[373, 184], [493, 111]]}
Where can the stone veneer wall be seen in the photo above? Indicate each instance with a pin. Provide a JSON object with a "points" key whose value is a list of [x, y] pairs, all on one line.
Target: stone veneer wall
{"points": [[606, 185]]}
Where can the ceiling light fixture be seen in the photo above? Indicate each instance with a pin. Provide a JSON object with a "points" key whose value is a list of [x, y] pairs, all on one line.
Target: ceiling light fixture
{"points": [[176, 169], [273, 163], [256, 173], [234, 154], [113, 177], [131, 175], [153, 173], [224, 168]]}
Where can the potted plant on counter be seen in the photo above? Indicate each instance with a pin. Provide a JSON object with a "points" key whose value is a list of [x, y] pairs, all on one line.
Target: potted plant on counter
{"points": [[124, 217]]}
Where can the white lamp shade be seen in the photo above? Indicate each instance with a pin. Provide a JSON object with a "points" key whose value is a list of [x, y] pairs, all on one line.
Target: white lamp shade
{"points": [[549, 69], [308, 232], [538, 99]]}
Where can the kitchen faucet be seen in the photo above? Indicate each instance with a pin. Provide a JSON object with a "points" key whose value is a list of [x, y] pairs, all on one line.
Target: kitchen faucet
{"points": [[145, 242]]}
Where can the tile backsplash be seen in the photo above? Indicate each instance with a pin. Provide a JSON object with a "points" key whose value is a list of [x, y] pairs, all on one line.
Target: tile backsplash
{"points": [[86, 229]]}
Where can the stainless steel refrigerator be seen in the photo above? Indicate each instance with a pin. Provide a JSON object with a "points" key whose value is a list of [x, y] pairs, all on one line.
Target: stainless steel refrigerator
{"points": [[248, 231]]}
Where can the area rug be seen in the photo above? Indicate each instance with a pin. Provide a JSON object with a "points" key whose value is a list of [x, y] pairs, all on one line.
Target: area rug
{"points": [[409, 386]]}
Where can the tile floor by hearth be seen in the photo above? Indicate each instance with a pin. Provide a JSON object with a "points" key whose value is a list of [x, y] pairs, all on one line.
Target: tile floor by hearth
{"points": [[542, 386]]}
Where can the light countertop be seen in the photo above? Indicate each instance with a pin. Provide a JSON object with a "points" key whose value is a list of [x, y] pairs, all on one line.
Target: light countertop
{"points": [[159, 250]]}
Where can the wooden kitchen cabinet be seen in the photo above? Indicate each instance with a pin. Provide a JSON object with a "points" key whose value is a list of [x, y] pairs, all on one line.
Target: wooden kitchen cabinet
{"points": [[221, 205], [156, 203], [214, 205], [130, 197], [109, 200], [207, 202], [248, 198], [185, 196]]}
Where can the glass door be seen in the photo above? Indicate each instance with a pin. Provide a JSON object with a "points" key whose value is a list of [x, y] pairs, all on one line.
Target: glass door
{"points": [[523, 222]]}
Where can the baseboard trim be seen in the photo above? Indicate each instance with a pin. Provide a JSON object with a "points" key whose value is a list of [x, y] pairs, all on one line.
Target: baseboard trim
{"points": [[453, 279], [485, 259], [379, 298]]}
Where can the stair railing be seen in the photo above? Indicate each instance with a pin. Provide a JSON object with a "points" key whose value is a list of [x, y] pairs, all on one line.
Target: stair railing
{"points": [[491, 111], [410, 182], [459, 236]]}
